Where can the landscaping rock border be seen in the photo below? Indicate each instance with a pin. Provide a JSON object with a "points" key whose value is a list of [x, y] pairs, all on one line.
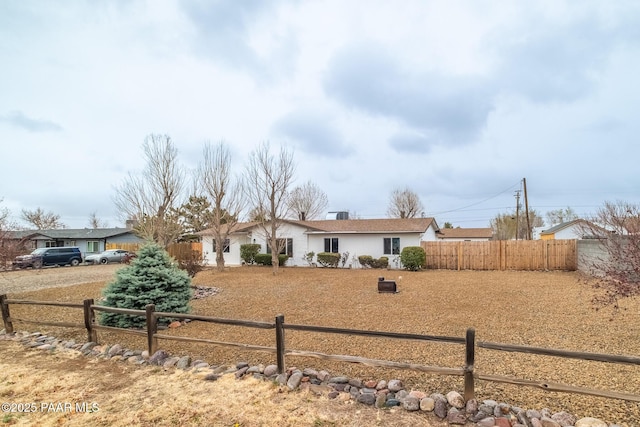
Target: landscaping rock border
{"points": [[450, 407]]}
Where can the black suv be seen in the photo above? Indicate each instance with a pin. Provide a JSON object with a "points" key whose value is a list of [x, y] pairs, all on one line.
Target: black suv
{"points": [[49, 256]]}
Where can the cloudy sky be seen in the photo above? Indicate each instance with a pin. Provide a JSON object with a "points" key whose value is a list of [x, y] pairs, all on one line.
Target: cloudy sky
{"points": [[457, 100]]}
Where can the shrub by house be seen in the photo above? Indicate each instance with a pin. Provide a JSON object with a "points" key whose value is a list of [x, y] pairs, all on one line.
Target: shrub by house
{"points": [[413, 258]]}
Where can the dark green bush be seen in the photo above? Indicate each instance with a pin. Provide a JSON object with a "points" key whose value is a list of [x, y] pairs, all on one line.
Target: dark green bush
{"points": [[153, 277], [248, 252], [328, 259], [265, 259], [382, 262], [371, 262], [413, 258], [365, 260]]}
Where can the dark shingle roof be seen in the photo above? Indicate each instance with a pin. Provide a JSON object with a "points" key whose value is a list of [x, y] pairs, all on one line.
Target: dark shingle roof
{"points": [[71, 233], [466, 233]]}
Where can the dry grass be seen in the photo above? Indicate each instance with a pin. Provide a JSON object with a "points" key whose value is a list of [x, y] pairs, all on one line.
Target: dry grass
{"points": [[151, 396], [542, 309]]}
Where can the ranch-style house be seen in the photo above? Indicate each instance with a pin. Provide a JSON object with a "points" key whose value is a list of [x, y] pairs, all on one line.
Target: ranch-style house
{"points": [[374, 237]]}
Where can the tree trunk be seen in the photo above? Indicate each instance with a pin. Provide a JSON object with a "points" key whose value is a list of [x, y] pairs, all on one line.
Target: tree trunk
{"points": [[219, 252]]}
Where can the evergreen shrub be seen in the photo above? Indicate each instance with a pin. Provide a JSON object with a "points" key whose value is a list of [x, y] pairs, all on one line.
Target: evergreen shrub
{"points": [[153, 277], [265, 259], [328, 259], [413, 258], [371, 262], [248, 252]]}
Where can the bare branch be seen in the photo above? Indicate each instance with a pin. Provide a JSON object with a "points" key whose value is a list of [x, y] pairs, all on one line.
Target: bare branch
{"points": [[225, 192], [616, 273], [404, 204], [267, 183], [42, 220], [307, 201], [149, 197]]}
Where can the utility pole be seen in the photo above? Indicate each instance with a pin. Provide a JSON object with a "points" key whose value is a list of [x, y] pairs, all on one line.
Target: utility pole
{"points": [[517, 212], [526, 208]]}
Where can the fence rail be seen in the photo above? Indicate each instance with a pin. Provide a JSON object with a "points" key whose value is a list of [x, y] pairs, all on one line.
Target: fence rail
{"points": [[502, 255], [279, 325]]}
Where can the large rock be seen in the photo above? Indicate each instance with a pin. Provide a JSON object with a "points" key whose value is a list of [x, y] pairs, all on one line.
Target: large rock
{"points": [[455, 399], [410, 403], [455, 416], [184, 362], [441, 408], [270, 370], [427, 404], [366, 398], [565, 419], [548, 422], [158, 357], [395, 385], [294, 380], [590, 422]]}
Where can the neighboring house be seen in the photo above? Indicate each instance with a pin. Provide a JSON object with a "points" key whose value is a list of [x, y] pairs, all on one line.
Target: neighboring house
{"points": [[465, 234], [89, 240], [566, 231], [374, 237]]}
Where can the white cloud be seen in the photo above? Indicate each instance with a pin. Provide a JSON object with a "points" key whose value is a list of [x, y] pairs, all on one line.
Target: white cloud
{"points": [[457, 100]]}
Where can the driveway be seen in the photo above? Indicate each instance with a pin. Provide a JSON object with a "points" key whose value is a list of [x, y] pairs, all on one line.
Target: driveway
{"points": [[53, 277]]}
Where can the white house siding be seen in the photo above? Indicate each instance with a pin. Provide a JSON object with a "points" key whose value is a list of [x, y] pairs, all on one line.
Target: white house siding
{"points": [[364, 244], [568, 233], [257, 236], [356, 243], [231, 258]]}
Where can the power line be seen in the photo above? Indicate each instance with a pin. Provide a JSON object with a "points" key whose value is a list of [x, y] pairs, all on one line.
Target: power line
{"points": [[477, 203]]}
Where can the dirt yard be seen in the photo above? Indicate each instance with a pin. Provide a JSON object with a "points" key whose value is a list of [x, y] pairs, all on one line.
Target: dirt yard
{"points": [[542, 309]]}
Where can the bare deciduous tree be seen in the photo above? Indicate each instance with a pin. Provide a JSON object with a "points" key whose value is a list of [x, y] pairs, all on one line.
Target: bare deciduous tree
{"points": [[513, 225], [616, 273], [42, 220], [9, 246], [404, 204], [95, 222], [225, 192], [268, 178], [559, 216], [151, 198], [307, 201]]}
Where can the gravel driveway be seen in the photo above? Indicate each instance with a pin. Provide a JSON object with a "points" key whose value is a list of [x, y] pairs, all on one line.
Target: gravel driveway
{"points": [[54, 277]]}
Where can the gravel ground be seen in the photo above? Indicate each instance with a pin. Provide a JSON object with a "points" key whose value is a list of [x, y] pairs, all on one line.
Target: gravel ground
{"points": [[549, 309]]}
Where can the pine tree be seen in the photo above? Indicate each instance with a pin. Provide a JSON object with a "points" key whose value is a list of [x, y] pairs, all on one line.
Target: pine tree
{"points": [[152, 278]]}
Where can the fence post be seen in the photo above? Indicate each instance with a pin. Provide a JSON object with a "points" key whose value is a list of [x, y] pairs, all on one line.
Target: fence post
{"points": [[6, 316], [152, 328], [89, 317], [470, 341], [280, 343]]}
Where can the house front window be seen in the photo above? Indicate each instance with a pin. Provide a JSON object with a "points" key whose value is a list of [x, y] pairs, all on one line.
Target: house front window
{"points": [[93, 246], [225, 248], [285, 245], [391, 246], [331, 244]]}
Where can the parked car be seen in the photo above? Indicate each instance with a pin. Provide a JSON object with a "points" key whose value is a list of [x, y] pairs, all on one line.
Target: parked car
{"points": [[49, 256], [110, 255]]}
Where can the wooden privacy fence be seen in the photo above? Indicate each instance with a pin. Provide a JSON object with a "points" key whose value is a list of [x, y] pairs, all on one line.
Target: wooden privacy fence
{"points": [[176, 250], [502, 255], [279, 326]]}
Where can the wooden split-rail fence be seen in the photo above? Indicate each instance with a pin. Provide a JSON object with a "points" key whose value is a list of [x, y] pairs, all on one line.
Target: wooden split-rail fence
{"points": [[279, 326]]}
